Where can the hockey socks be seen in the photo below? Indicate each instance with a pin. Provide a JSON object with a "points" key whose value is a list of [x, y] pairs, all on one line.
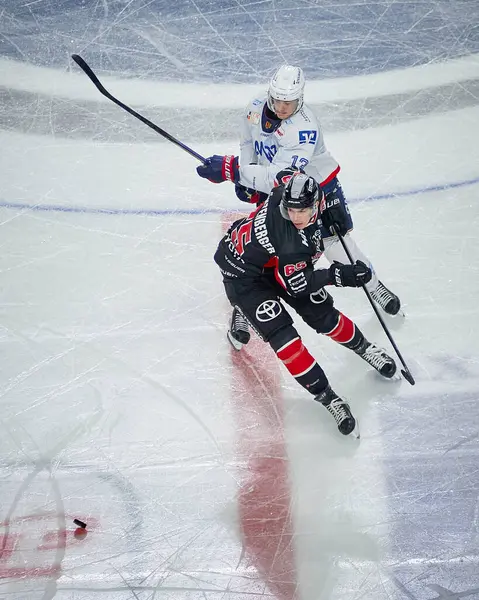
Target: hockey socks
{"points": [[347, 334], [302, 366]]}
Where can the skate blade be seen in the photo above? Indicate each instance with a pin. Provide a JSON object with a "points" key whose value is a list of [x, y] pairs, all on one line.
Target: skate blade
{"points": [[400, 313], [396, 377], [236, 345], [355, 433]]}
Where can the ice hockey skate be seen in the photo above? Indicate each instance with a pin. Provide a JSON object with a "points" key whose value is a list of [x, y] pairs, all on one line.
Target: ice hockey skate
{"points": [[377, 358], [340, 411], [388, 301], [238, 333]]}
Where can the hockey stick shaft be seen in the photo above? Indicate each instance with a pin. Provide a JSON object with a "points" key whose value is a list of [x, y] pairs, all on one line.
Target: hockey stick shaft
{"points": [[89, 72], [406, 372]]}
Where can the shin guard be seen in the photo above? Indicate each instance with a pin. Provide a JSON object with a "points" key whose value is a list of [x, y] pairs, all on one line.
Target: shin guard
{"points": [[346, 333], [302, 366]]}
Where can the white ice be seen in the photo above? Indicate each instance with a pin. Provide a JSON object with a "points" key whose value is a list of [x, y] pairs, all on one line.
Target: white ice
{"points": [[204, 474]]}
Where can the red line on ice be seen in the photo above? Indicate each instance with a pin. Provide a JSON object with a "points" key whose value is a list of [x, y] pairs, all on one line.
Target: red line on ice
{"points": [[264, 496]]}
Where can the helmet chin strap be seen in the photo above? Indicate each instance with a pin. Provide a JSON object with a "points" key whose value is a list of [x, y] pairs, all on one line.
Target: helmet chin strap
{"points": [[314, 216], [284, 212]]}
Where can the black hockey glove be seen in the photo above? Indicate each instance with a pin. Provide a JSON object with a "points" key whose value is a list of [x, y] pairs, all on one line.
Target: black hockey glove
{"points": [[349, 275], [220, 168], [283, 176], [249, 194], [333, 214]]}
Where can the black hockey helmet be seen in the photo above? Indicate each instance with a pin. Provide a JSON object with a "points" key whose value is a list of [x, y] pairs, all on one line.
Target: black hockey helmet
{"points": [[301, 191]]}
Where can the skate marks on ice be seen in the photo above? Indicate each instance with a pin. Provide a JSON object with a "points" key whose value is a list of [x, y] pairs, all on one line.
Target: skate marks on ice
{"points": [[104, 123], [430, 464], [264, 495], [43, 493], [39, 544], [398, 513], [445, 594], [239, 41]]}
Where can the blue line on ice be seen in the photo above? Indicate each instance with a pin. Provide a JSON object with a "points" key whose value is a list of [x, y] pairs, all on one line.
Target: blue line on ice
{"points": [[239, 208]]}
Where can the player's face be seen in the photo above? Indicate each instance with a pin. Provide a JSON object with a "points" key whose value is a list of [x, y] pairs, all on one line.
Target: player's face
{"points": [[301, 217], [284, 108]]}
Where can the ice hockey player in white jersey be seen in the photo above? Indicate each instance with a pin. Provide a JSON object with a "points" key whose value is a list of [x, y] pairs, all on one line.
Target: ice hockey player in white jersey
{"points": [[279, 131]]}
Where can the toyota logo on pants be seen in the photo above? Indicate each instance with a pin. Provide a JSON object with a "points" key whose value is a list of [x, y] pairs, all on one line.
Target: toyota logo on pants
{"points": [[268, 310]]}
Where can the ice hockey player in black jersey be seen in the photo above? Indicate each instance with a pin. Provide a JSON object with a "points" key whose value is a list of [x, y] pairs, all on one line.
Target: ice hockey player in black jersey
{"points": [[279, 130], [267, 262]]}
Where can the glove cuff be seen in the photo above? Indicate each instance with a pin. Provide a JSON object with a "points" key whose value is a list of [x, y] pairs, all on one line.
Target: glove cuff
{"points": [[230, 170], [335, 275]]}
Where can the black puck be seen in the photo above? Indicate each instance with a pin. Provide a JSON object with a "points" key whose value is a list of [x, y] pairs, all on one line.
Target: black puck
{"points": [[79, 523]]}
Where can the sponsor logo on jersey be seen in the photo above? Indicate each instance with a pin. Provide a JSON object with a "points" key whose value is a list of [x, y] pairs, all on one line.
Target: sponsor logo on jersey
{"points": [[304, 239], [308, 136], [254, 117], [263, 149], [298, 283], [235, 266], [268, 310], [317, 240], [280, 132], [319, 296]]}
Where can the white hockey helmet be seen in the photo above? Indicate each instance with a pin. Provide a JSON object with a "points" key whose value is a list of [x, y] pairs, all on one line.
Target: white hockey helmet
{"points": [[286, 84]]}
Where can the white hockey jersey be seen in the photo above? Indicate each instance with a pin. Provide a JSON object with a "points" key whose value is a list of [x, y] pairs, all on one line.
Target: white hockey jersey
{"points": [[298, 142]]}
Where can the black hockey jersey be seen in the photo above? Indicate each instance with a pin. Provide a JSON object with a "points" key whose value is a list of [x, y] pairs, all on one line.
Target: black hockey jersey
{"points": [[265, 239]]}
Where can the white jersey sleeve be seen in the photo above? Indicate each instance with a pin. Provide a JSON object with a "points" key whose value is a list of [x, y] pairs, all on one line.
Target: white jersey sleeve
{"points": [[297, 142], [247, 154]]}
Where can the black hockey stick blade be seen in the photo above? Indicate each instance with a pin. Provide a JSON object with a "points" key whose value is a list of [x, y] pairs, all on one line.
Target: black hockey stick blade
{"points": [[407, 376], [406, 373], [100, 87]]}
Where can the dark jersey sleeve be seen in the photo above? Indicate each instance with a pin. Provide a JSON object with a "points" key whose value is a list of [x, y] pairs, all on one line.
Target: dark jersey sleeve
{"points": [[296, 274], [266, 239]]}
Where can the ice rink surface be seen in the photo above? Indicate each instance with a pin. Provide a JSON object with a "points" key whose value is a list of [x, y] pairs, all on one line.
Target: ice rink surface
{"points": [[205, 474]]}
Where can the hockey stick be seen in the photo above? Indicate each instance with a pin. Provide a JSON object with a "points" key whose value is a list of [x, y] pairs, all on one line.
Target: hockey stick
{"points": [[88, 71], [405, 372]]}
